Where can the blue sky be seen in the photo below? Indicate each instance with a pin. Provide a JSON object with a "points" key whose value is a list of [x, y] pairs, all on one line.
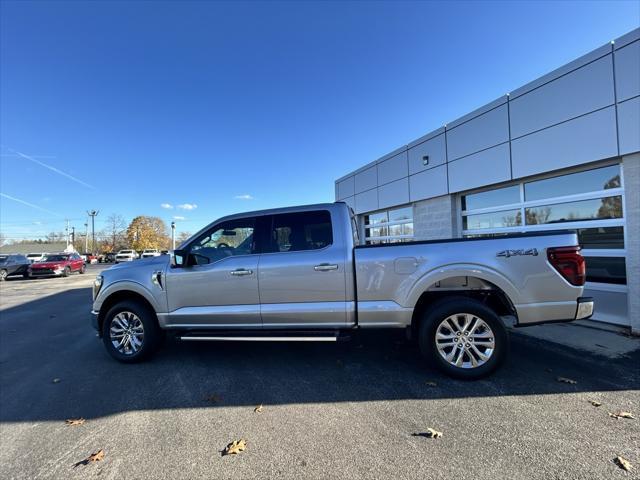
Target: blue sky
{"points": [[224, 107]]}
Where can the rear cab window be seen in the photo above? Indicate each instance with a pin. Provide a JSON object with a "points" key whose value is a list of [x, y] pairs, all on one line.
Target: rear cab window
{"points": [[300, 231]]}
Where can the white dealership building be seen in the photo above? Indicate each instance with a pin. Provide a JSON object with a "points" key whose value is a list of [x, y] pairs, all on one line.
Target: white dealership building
{"points": [[561, 152]]}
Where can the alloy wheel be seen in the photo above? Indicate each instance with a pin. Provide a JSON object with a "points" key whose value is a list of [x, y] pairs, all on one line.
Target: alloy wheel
{"points": [[126, 333], [465, 340]]}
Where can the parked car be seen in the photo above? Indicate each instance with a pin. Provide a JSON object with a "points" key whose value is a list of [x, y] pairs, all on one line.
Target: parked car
{"points": [[297, 274], [150, 252], [35, 257], [89, 258], [11, 265], [126, 256], [164, 252], [107, 258], [57, 264]]}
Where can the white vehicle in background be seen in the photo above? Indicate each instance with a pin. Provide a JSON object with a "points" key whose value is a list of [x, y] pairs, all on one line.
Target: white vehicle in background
{"points": [[35, 257], [126, 256], [150, 252]]}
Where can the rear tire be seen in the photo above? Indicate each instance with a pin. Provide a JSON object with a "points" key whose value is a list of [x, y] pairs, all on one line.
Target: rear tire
{"points": [[463, 338], [82, 269], [3, 275], [66, 272], [130, 332]]}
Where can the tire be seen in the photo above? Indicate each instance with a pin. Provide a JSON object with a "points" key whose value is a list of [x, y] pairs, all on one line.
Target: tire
{"points": [[3, 275], [484, 345], [82, 269], [66, 272], [131, 315]]}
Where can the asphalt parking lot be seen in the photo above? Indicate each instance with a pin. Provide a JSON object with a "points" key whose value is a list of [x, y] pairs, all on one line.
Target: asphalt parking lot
{"points": [[353, 410]]}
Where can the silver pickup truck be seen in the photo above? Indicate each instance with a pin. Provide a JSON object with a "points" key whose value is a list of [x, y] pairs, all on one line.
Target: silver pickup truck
{"points": [[299, 274]]}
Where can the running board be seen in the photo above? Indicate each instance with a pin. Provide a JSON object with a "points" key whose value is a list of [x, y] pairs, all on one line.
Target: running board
{"points": [[259, 339]]}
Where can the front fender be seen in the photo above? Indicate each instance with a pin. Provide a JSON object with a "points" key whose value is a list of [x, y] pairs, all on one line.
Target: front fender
{"points": [[128, 286], [417, 286]]}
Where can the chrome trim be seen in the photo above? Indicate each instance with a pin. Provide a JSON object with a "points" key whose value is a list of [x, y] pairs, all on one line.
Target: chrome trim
{"points": [[241, 271], [261, 339], [325, 267]]}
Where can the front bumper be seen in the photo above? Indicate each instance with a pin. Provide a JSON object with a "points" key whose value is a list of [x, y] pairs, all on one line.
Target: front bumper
{"points": [[45, 272], [94, 320]]}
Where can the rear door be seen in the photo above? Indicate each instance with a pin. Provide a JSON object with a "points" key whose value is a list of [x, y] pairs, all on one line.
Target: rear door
{"points": [[302, 273]]}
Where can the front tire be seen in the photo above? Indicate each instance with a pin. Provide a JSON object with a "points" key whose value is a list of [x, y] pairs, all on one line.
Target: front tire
{"points": [[3, 275], [464, 338], [66, 272], [130, 332], [82, 269]]}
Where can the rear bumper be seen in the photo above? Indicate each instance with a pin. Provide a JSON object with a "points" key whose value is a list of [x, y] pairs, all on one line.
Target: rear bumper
{"points": [[581, 309]]}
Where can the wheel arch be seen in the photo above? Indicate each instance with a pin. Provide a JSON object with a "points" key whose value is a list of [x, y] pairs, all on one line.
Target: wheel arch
{"points": [[120, 296]]}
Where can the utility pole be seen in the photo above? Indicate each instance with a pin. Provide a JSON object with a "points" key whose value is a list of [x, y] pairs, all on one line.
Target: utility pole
{"points": [[67, 231], [93, 214], [173, 235], [73, 237], [86, 237]]}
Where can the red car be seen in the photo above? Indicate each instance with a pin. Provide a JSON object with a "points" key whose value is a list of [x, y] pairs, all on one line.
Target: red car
{"points": [[57, 264]]}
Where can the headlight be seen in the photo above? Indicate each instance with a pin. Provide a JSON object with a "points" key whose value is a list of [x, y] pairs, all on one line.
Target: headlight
{"points": [[97, 284]]}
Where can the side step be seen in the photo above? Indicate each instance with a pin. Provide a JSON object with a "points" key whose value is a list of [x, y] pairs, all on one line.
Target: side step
{"points": [[262, 336]]}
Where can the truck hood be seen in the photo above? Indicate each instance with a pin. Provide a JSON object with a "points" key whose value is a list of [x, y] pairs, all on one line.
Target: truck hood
{"points": [[150, 263]]}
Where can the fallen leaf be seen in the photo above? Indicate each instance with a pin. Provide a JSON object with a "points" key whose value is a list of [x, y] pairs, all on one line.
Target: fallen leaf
{"points": [[431, 384], [56, 380], [235, 447], [430, 433], [595, 403], [258, 409], [74, 421], [619, 415], [94, 457], [215, 398], [623, 463], [566, 380]]}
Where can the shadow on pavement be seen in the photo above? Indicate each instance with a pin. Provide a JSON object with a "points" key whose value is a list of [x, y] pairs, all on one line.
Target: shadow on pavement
{"points": [[51, 338]]}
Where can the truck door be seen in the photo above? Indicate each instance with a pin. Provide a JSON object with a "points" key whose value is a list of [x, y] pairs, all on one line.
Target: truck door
{"points": [[301, 273], [219, 288]]}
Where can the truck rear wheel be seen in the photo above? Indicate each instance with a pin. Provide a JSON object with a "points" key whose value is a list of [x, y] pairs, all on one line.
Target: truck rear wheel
{"points": [[463, 337], [130, 332]]}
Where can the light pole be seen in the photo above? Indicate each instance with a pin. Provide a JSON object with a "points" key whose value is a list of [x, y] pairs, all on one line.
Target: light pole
{"points": [[173, 235], [86, 237], [93, 214]]}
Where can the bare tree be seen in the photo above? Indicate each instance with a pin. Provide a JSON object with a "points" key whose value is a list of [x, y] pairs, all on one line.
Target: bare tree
{"points": [[115, 229]]}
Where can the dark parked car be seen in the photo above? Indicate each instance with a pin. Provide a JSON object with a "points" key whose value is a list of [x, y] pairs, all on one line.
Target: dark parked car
{"points": [[58, 264], [14, 265], [107, 258]]}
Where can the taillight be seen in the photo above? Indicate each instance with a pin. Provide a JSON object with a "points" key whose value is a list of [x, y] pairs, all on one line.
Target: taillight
{"points": [[569, 262]]}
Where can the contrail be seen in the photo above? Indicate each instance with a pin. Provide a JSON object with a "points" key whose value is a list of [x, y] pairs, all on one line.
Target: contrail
{"points": [[52, 168], [4, 195]]}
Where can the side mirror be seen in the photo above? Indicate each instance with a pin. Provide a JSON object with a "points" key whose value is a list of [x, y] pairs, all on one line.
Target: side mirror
{"points": [[179, 258]]}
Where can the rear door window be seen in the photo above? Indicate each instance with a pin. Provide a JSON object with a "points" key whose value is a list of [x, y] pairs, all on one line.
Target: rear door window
{"points": [[300, 231]]}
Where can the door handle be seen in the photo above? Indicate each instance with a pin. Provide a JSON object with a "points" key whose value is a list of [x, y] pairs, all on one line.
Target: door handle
{"points": [[241, 271], [325, 267]]}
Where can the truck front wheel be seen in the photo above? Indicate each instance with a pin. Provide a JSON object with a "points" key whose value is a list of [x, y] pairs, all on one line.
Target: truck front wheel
{"points": [[463, 337], [130, 332]]}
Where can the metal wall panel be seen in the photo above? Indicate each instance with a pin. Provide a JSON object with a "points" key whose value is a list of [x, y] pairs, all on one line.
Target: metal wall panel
{"points": [[366, 179], [581, 91], [435, 149], [484, 131], [628, 71], [351, 201], [392, 169], [367, 201], [629, 126], [584, 139], [428, 184], [480, 169], [345, 188], [394, 193]]}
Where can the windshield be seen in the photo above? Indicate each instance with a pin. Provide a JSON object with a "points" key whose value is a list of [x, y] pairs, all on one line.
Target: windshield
{"points": [[126, 251], [34, 255], [55, 258]]}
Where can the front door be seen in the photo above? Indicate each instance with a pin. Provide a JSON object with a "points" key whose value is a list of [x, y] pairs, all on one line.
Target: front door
{"points": [[219, 288], [302, 273]]}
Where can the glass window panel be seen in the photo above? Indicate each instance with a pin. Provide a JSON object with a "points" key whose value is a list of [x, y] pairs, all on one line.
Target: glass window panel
{"points": [[492, 198], [401, 214], [581, 182], [374, 218], [606, 270], [596, 209], [602, 237], [507, 218], [395, 230], [407, 229], [294, 232]]}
